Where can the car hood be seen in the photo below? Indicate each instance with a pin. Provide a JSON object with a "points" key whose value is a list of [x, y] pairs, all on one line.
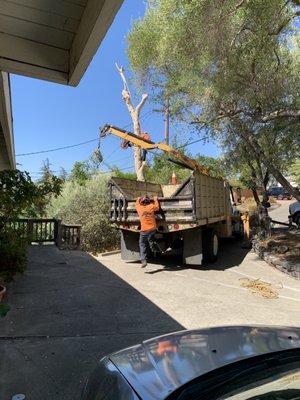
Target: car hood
{"points": [[159, 366]]}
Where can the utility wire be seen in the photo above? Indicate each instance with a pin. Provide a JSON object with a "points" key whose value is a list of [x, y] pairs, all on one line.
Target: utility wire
{"points": [[77, 144], [189, 143], [94, 140], [56, 148]]}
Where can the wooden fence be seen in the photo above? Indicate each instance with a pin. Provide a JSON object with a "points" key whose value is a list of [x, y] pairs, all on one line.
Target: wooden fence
{"points": [[47, 230]]}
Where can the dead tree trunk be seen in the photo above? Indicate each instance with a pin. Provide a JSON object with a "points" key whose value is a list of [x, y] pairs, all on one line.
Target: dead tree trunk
{"points": [[134, 112]]}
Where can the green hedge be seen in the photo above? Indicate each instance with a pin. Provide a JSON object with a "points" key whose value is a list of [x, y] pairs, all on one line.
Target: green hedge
{"points": [[13, 253]]}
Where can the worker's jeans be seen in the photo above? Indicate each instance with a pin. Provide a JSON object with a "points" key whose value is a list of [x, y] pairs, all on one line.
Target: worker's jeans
{"points": [[146, 241], [143, 154]]}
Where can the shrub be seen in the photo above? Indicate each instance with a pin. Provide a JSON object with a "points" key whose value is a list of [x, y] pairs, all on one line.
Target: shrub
{"points": [[87, 205], [13, 253], [20, 196]]}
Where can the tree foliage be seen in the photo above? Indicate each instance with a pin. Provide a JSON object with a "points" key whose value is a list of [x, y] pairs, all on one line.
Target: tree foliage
{"points": [[19, 195], [13, 250], [162, 168], [88, 205], [63, 174], [80, 172], [294, 171], [46, 172], [232, 68]]}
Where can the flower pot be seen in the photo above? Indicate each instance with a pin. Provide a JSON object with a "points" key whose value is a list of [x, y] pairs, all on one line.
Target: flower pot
{"points": [[2, 292]]}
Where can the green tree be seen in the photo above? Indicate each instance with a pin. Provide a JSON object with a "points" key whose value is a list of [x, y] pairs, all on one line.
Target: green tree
{"points": [[120, 174], [80, 172], [63, 175], [229, 67], [46, 172], [162, 169], [294, 171], [19, 195], [213, 164]]}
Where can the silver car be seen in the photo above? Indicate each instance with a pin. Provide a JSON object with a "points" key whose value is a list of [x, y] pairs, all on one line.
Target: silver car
{"points": [[237, 363]]}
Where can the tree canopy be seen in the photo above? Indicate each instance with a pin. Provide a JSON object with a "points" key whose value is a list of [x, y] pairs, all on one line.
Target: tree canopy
{"points": [[229, 68], [19, 195]]}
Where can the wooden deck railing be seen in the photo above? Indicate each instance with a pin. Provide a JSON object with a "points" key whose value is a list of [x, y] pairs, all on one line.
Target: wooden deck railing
{"points": [[47, 230], [70, 236]]}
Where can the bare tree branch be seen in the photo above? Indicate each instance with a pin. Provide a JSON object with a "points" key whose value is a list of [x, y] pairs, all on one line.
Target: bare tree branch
{"points": [[281, 114], [121, 72], [141, 104], [125, 92], [258, 117]]}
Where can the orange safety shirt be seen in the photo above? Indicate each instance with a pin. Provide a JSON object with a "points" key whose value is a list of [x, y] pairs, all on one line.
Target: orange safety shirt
{"points": [[146, 136], [146, 214]]}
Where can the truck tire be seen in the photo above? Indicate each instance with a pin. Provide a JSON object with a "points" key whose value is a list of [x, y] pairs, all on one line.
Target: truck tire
{"points": [[210, 243]]}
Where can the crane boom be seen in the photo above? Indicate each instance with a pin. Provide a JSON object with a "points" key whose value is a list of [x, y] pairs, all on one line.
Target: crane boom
{"points": [[149, 145]]}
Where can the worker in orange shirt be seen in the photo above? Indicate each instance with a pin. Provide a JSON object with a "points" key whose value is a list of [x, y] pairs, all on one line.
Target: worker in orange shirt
{"points": [[146, 211]]}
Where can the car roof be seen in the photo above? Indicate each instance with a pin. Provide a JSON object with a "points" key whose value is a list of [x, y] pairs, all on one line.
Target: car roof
{"points": [[157, 367]]}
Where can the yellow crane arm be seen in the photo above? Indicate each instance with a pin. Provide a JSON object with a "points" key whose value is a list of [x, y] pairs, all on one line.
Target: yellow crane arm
{"points": [[149, 145]]}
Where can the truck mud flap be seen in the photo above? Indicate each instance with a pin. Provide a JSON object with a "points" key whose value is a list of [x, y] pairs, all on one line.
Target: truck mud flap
{"points": [[130, 246], [192, 247]]}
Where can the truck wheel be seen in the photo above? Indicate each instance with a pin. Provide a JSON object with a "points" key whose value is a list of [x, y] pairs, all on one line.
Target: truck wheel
{"points": [[210, 242]]}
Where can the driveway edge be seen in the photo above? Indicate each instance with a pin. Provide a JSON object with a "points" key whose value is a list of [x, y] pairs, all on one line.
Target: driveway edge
{"points": [[285, 266]]}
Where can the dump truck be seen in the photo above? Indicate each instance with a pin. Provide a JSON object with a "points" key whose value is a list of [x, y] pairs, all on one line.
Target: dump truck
{"points": [[193, 215]]}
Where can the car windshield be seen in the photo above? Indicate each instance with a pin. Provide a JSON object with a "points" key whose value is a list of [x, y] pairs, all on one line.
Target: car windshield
{"points": [[281, 387], [269, 377]]}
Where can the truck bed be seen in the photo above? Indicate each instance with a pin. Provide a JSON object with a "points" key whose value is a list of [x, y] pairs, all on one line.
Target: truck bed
{"points": [[199, 200]]}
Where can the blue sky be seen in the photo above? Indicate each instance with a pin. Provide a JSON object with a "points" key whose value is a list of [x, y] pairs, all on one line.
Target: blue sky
{"points": [[48, 115]]}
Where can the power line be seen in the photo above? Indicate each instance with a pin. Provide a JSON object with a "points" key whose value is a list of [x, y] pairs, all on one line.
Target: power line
{"points": [[77, 144], [154, 153], [189, 143], [56, 148]]}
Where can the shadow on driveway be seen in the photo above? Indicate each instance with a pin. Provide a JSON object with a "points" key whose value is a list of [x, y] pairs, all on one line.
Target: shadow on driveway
{"points": [[67, 311], [231, 254]]}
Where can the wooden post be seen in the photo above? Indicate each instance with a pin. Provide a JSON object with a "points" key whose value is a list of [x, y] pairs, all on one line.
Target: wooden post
{"points": [[57, 232], [29, 230], [78, 242]]}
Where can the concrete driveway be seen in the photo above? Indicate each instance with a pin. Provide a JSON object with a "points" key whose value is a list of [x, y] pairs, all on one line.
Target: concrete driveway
{"points": [[281, 213], [69, 309], [212, 295]]}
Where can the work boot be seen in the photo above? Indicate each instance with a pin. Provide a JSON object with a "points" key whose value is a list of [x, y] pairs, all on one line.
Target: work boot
{"points": [[144, 263]]}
